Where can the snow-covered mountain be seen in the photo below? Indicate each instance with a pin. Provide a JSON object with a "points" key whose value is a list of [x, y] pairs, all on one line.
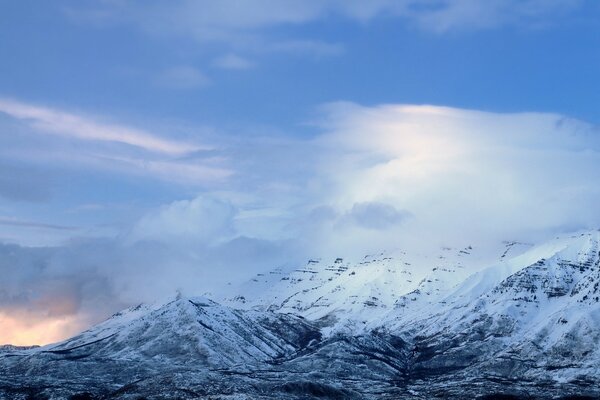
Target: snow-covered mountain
{"points": [[536, 316], [355, 295], [522, 320]]}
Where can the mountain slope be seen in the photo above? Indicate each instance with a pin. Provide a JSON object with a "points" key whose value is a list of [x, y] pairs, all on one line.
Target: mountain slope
{"points": [[146, 340], [195, 328], [537, 322], [526, 325], [353, 295]]}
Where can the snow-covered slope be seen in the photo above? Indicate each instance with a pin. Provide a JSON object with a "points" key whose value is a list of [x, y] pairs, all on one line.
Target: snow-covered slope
{"points": [[191, 329], [535, 315], [354, 295], [392, 325], [179, 334]]}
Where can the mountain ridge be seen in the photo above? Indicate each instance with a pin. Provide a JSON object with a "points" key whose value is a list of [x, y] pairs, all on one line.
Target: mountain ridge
{"points": [[528, 324]]}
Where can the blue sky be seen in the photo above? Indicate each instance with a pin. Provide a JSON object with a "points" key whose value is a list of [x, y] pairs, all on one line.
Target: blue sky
{"points": [[88, 56], [231, 137]]}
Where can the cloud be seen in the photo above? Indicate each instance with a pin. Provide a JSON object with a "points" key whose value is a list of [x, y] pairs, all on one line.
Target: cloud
{"points": [[44, 297], [233, 21], [23, 329], [485, 175], [32, 224], [385, 176], [50, 293], [375, 215], [461, 15], [203, 219], [51, 121], [191, 172], [182, 77], [22, 223], [218, 31], [233, 61], [46, 139]]}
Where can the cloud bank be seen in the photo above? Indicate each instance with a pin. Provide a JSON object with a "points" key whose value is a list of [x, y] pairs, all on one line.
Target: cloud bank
{"points": [[462, 173]]}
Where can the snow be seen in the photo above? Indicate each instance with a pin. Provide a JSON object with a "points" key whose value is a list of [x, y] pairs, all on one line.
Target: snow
{"points": [[524, 314]]}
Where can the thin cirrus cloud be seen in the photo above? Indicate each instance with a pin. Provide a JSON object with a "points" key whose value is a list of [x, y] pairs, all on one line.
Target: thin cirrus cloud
{"points": [[100, 146], [8, 221], [258, 29], [172, 170], [62, 123], [231, 20]]}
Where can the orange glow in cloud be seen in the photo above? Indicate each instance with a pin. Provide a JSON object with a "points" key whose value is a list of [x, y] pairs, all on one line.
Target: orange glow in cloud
{"points": [[24, 330]]}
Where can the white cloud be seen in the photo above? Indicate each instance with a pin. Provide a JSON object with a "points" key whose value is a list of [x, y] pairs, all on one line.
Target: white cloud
{"points": [[386, 176], [176, 171], [47, 137], [389, 172], [462, 174], [201, 220], [62, 123]]}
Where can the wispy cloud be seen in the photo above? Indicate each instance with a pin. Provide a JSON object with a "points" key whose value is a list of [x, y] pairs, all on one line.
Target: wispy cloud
{"points": [[110, 147], [173, 170], [230, 20], [7, 221], [47, 120], [260, 30], [468, 15]]}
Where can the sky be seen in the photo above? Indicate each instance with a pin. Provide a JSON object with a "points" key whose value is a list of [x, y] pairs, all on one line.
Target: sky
{"points": [[153, 147]]}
